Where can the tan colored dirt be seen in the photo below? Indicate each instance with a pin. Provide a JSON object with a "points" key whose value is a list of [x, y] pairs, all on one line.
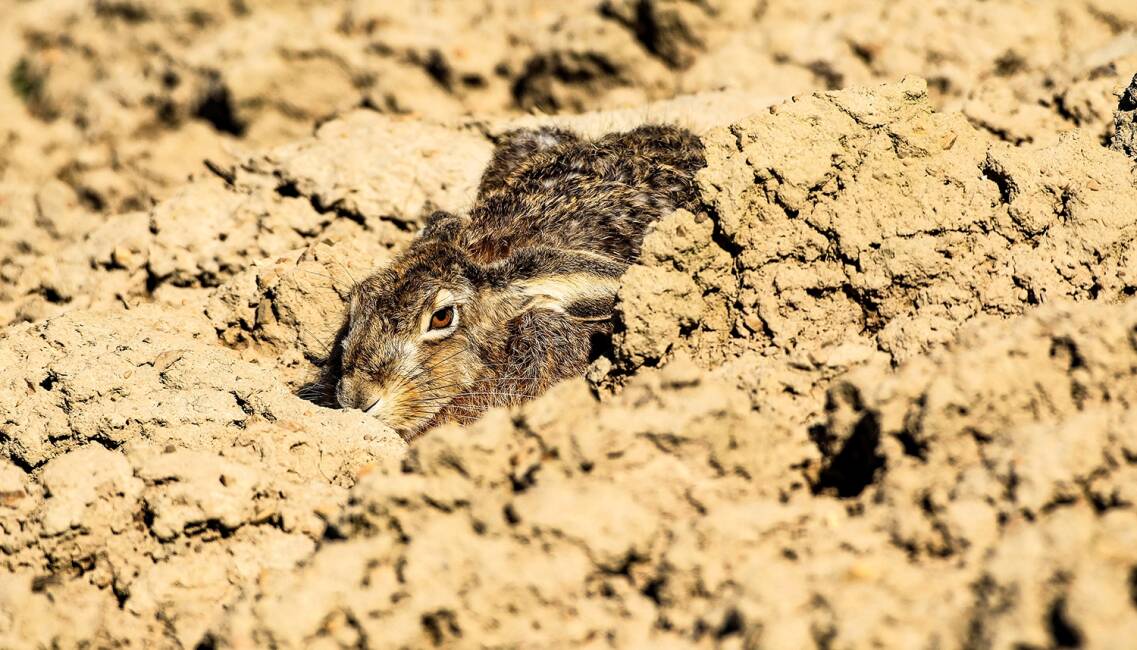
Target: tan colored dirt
{"points": [[881, 391]]}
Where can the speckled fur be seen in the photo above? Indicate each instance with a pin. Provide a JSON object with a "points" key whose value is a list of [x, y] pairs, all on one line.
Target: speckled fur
{"points": [[533, 267]]}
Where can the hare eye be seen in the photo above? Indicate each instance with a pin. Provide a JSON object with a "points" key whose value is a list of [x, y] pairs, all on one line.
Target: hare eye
{"points": [[442, 318]]}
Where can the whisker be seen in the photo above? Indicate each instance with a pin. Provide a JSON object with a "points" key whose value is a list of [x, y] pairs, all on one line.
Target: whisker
{"points": [[305, 331], [433, 365], [345, 270], [430, 386], [319, 275], [490, 394]]}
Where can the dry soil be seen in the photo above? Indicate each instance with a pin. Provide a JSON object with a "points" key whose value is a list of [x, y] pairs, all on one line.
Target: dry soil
{"points": [[880, 390]]}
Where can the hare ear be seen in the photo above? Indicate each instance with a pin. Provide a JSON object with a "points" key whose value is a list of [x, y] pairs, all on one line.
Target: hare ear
{"points": [[514, 149], [442, 226], [579, 284], [579, 296]]}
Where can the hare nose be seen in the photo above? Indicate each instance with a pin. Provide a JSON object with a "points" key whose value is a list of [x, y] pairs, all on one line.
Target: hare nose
{"points": [[341, 394], [355, 395], [373, 407]]}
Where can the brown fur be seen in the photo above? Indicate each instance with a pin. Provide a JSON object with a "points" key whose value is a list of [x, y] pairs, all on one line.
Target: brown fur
{"points": [[532, 270]]}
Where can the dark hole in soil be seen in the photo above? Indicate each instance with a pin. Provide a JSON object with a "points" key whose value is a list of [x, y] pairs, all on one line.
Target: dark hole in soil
{"points": [[731, 624], [855, 466], [1064, 633], [1133, 586], [216, 107]]}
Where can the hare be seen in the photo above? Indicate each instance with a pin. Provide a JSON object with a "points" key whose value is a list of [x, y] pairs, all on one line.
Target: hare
{"points": [[491, 308]]}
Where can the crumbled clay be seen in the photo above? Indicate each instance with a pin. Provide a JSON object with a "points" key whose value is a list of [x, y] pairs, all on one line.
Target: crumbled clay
{"points": [[878, 392]]}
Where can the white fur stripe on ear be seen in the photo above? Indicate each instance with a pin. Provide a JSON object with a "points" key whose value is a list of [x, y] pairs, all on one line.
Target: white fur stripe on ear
{"points": [[559, 292]]}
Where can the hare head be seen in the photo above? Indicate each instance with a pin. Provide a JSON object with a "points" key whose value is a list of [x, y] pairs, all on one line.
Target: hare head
{"points": [[440, 336]]}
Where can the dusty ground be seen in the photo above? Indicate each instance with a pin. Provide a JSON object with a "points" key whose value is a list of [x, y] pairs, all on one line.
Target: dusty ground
{"points": [[880, 392]]}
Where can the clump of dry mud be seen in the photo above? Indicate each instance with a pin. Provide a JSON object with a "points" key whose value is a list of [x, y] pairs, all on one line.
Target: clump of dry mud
{"points": [[879, 391], [870, 240]]}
